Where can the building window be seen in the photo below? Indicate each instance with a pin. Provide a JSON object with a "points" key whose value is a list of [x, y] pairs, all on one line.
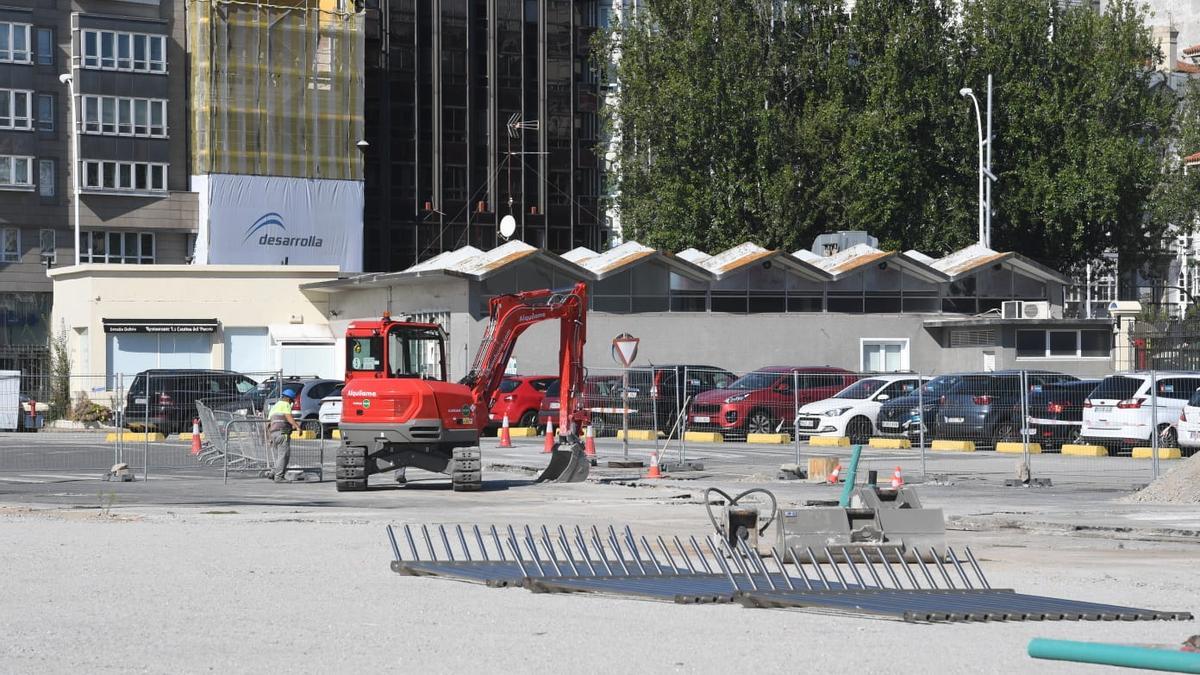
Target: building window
{"points": [[10, 244], [124, 176], [45, 46], [47, 241], [14, 42], [116, 247], [16, 109], [119, 116], [130, 52], [887, 355], [45, 112], [47, 178], [1064, 344], [14, 172]]}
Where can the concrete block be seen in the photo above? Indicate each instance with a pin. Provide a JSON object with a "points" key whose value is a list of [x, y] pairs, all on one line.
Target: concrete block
{"points": [[829, 441], [522, 432], [890, 443], [1085, 450], [953, 446], [819, 468], [1019, 448], [304, 435], [1163, 453], [187, 436], [771, 439], [698, 437], [636, 434], [135, 437]]}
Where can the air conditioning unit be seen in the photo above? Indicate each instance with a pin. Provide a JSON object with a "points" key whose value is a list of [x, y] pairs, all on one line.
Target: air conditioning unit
{"points": [[1022, 309]]}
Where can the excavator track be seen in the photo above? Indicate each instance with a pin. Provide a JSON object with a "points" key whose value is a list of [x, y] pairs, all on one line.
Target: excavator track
{"points": [[351, 473], [466, 469]]}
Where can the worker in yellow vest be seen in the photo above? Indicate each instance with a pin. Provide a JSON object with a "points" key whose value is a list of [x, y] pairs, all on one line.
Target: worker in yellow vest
{"points": [[280, 428]]}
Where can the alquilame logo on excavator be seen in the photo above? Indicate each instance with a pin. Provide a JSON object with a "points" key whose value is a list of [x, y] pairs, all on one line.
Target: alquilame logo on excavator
{"points": [[534, 317], [347, 394]]}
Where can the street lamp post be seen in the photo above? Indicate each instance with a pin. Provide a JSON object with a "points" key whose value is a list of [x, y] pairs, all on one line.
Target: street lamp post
{"points": [[986, 177], [68, 80]]}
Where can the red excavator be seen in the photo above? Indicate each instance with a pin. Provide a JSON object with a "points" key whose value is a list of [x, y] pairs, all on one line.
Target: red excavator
{"points": [[398, 410]]}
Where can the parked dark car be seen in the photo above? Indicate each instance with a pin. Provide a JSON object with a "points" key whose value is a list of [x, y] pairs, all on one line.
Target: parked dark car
{"points": [[766, 399], [1056, 411], [899, 416], [986, 407], [601, 393], [165, 399]]}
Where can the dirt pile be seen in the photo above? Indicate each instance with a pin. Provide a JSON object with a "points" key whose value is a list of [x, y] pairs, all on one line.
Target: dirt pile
{"points": [[1179, 485]]}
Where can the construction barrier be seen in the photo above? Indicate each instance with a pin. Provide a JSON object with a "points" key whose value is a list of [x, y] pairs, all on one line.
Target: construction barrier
{"points": [[829, 441], [135, 437], [1163, 453], [1018, 448], [953, 446], [1073, 450], [890, 443], [701, 437], [769, 439], [636, 434]]}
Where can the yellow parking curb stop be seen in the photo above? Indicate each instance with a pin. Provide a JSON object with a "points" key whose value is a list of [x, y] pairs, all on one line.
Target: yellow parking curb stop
{"points": [[702, 437], [953, 446], [890, 443]]}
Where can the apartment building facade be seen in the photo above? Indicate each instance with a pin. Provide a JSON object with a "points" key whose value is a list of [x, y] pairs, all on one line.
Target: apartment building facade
{"points": [[478, 109], [125, 61]]}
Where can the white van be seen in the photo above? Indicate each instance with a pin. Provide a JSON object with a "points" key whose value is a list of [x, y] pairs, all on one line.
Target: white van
{"points": [[1118, 414]]}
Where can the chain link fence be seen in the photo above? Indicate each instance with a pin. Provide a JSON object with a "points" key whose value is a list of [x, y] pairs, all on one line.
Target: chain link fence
{"points": [[73, 427], [1018, 425]]}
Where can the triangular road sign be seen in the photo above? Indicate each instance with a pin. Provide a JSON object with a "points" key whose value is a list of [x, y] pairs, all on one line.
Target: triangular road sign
{"points": [[624, 349]]}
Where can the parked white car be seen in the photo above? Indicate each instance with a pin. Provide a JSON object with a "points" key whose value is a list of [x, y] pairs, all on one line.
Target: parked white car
{"points": [[330, 412], [852, 411], [1188, 427], [1118, 414]]}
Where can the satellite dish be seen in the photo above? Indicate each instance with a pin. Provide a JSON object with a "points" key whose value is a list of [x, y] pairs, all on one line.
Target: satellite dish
{"points": [[508, 226]]}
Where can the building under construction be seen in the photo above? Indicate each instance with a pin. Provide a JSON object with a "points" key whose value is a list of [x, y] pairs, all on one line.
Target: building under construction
{"points": [[277, 122]]}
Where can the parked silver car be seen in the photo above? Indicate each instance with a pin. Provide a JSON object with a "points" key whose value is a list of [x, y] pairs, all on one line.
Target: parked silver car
{"points": [[309, 392]]}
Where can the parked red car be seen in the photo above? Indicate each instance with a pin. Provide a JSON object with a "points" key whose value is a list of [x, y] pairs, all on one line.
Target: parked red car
{"points": [[764, 400], [519, 397]]}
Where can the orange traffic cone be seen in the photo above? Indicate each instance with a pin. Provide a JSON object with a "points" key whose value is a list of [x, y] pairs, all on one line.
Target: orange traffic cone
{"points": [[549, 445], [505, 438], [897, 479], [654, 472], [833, 476], [589, 442], [195, 435]]}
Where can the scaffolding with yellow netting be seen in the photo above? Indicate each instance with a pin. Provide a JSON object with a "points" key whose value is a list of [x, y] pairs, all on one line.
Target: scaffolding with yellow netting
{"points": [[277, 88]]}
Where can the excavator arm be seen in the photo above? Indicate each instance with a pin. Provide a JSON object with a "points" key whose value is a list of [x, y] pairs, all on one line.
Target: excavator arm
{"points": [[510, 316]]}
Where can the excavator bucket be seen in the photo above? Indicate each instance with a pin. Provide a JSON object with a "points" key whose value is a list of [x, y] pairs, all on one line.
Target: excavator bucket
{"points": [[568, 463]]}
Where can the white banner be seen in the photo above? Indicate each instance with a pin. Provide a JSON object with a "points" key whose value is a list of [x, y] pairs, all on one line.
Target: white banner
{"points": [[274, 220]]}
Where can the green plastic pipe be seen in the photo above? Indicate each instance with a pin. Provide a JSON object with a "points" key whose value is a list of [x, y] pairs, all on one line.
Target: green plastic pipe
{"points": [[848, 487], [1108, 654]]}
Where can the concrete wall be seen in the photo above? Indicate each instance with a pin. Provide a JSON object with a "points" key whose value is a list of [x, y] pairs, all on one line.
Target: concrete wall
{"points": [[235, 295]]}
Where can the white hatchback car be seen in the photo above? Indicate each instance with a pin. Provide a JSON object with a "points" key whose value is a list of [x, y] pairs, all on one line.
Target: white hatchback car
{"points": [[1118, 414], [330, 412], [852, 411]]}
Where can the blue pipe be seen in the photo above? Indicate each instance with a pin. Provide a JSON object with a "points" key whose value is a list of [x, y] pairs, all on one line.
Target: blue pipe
{"points": [[848, 487], [1108, 654]]}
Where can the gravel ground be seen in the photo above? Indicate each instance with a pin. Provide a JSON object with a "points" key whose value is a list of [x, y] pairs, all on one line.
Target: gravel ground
{"points": [[253, 589]]}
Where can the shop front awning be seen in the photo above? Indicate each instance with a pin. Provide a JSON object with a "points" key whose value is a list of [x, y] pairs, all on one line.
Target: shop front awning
{"points": [[160, 325]]}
